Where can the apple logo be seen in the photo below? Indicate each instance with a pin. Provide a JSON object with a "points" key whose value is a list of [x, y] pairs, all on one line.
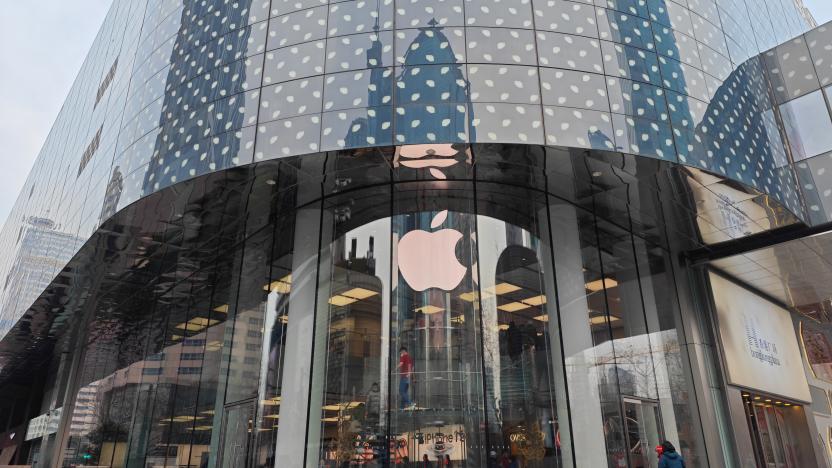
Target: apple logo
{"points": [[428, 260]]}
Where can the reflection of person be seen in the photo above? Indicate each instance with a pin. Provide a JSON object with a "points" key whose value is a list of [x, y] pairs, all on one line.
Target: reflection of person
{"points": [[405, 372], [372, 405], [670, 457], [448, 460], [425, 461], [492, 459], [505, 460]]}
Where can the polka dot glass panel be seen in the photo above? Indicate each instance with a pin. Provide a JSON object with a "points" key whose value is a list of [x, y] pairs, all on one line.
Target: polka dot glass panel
{"points": [[676, 80]]}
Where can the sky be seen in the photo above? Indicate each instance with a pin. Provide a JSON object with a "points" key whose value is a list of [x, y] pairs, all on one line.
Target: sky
{"points": [[821, 9], [41, 51], [42, 47]]}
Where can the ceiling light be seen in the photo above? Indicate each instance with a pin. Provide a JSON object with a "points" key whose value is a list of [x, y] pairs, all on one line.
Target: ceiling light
{"points": [[272, 416], [535, 301], [469, 296], [502, 288], [542, 318], [600, 284], [196, 324], [223, 309], [281, 286], [203, 428], [359, 293], [270, 182], [189, 327], [429, 309], [513, 306], [340, 301], [202, 321], [336, 418], [601, 319], [184, 418]]}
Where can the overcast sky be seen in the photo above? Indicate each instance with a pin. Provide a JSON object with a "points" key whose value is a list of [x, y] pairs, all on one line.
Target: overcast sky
{"points": [[42, 46]]}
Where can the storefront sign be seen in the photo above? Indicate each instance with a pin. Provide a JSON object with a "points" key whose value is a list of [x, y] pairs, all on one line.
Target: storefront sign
{"points": [[759, 342]]}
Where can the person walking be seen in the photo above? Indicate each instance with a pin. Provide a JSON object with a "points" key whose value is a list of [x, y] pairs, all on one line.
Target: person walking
{"points": [[505, 459], [492, 460], [670, 457], [405, 372], [372, 407]]}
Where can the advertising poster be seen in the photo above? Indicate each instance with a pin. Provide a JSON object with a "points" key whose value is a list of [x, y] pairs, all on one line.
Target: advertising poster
{"points": [[759, 342]]}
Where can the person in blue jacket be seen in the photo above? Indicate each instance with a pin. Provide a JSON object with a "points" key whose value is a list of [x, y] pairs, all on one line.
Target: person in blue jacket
{"points": [[670, 457]]}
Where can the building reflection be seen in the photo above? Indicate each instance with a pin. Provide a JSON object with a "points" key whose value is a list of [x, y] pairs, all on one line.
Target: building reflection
{"points": [[43, 249]]}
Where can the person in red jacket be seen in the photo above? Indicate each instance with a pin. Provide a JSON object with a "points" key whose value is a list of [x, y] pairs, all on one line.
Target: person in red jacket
{"points": [[405, 372]]}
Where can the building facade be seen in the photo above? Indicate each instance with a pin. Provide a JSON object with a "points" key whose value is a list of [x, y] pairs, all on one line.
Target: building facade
{"points": [[311, 233]]}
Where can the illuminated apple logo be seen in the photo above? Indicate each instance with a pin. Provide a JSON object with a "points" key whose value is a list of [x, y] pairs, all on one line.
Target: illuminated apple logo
{"points": [[428, 259]]}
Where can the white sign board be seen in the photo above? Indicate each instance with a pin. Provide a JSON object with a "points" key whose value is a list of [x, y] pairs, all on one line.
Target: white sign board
{"points": [[759, 342], [44, 424]]}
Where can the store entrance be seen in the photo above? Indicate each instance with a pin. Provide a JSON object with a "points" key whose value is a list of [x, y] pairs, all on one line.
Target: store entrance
{"points": [[775, 445], [644, 431]]}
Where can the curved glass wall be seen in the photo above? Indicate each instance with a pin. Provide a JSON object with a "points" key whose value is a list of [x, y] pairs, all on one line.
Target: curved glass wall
{"points": [[444, 319]]}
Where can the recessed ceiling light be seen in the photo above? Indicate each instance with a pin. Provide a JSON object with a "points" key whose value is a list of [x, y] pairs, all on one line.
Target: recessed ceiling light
{"points": [[429, 309], [359, 293], [535, 301], [513, 306], [270, 182], [600, 284], [340, 301], [502, 288]]}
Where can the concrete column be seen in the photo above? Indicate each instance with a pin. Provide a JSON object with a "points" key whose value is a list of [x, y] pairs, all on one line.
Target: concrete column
{"points": [[294, 408]]}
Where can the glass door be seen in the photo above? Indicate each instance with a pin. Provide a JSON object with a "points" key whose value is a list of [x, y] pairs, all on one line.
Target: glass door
{"points": [[772, 437], [236, 436], [642, 423]]}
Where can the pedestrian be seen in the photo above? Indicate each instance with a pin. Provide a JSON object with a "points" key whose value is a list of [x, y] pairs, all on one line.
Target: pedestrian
{"points": [[372, 407], [670, 457], [492, 460], [448, 460], [505, 460], [425, 461], [405, 372]]}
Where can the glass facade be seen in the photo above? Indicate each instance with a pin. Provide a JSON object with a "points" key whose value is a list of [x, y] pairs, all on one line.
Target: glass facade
{"points": [[321, 233], [387, 324]]}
